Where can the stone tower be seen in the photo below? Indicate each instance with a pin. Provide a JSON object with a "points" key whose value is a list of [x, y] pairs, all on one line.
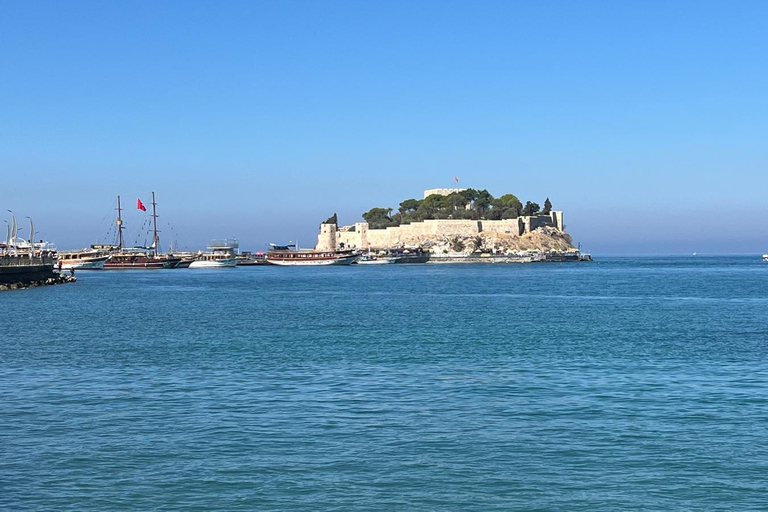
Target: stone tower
{"points": [[326, 240], [557, 219]]}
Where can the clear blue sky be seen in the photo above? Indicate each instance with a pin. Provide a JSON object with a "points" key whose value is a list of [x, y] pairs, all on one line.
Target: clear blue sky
{"points": [[647, 122]]}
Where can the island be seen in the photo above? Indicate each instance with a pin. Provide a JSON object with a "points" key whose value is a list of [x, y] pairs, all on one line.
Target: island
{"points": [[459, 224]]}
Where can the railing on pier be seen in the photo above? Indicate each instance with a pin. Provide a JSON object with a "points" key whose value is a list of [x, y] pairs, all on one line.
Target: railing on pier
{"points": [[26, 260]]}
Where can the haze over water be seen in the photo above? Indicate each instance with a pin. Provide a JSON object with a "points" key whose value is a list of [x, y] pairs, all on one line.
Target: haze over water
{"points": [[624, 384]]}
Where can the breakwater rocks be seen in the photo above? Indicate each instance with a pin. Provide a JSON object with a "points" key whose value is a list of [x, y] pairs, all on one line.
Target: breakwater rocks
{"points": [[52, 280]]}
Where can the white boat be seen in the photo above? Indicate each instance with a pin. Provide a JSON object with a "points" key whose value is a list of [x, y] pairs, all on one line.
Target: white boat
{"points": [[284, 255], [208, 261], [373, 259], [765, 257], [85, 259], [222, 255]]}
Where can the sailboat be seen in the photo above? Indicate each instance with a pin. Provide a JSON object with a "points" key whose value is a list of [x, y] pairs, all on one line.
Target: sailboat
{"points": [[136, 257]]}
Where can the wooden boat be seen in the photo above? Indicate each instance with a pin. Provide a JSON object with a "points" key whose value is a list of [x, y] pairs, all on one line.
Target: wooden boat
{"points": [[122, 257], [288, 256], [139, 258]]}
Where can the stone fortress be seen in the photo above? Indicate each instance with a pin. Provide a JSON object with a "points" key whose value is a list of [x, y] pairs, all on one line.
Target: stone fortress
{"points": [[507, 234]]}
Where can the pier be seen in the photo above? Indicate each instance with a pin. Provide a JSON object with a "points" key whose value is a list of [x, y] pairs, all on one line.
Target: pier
{"points": [[27, 270]]}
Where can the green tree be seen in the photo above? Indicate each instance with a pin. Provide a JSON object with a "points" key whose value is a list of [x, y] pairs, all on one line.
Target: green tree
{"points": [[333, 219], [457, 201], [547, 207], [511, 213], [495, 213], [483, 202], [506, 201], [469, 194], [530, 208], [409, 206], [378, 218], [507, 206]]}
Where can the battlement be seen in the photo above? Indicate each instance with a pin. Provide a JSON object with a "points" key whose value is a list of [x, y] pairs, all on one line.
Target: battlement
{"points": [[441, 191]]}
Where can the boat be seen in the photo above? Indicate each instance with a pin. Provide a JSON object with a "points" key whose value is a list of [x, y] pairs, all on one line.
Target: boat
{"points": [[186, 258], [374, 259], [84, 259], [416, 255], [765, 257], [122, 257], [221, 255], [250, 259], [139, 258], [288, 255]]}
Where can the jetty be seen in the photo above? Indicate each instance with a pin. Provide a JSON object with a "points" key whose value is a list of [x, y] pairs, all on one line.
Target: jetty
{"points": [[29, 270], [25, 264]]}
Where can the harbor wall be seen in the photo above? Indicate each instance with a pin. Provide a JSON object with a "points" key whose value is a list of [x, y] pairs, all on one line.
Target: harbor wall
{"points": [[23, 269]]}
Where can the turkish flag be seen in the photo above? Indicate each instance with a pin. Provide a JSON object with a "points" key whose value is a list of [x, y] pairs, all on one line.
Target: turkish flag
{"points": [[140, 205]]}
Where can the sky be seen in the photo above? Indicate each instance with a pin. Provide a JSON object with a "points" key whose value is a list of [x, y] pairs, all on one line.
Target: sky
{"points": [[645, 121]]}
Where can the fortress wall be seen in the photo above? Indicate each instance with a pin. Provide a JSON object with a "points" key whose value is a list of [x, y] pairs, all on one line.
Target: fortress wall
{"points": [[441, 191], [417, 232]]}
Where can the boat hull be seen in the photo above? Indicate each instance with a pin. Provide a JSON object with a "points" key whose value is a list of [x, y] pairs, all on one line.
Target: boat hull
{"points": [[227, 263], [312, 260], [95, 263], [381, 261], [140, 262]]}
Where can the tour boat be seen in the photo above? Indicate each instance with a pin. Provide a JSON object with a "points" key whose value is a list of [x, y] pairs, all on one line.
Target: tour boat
{"points": [[222, 255], [284, 255], [84, 259]]}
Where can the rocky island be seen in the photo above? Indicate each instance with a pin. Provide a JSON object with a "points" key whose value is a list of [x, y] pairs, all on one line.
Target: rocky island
{"points": [[456, 224]]}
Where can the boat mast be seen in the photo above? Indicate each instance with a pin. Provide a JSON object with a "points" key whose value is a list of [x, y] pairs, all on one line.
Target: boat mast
{"points": [[119, 225], [32, 235], [156, 242]]}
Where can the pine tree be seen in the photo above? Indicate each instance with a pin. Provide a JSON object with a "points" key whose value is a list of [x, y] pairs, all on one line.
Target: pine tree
{"points": [[547, 206]]}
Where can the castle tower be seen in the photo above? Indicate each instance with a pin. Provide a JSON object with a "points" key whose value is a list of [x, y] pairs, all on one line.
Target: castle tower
{"points": [[326, 240], [557, 219]]}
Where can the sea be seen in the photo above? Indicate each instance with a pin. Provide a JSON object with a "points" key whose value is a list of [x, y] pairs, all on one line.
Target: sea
{"points": [[626, 383]]}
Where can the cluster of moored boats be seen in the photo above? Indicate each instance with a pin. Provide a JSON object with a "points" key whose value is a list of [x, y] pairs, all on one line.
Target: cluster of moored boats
{"points": [[220, 254]]}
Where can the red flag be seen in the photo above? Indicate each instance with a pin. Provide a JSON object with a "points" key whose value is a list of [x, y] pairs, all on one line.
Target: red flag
{"points": [[456, 179], [140, 205]]}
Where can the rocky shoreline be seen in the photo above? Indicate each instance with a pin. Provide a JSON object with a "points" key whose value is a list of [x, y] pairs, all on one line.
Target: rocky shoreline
{"points": [[53, 280]]}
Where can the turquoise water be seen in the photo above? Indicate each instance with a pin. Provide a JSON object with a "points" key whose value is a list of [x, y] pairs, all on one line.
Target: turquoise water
{"points": [[624, 384]]}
